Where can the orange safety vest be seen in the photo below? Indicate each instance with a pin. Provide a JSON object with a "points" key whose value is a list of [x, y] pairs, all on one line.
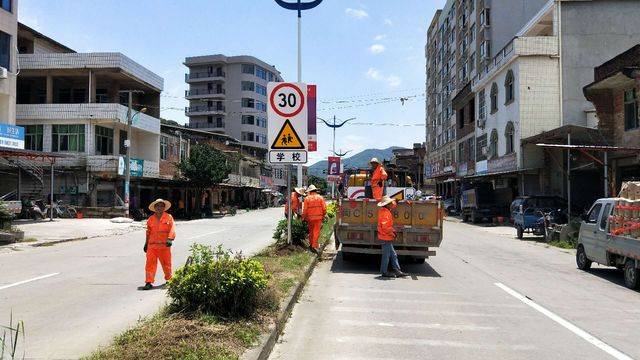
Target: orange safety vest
{"points": [[314, 208], [386, 232], [159, 231], [295, 203], [377, 182]]}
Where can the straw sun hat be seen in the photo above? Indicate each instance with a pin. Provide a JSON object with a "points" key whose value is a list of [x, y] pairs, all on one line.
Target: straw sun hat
{"points": [[167, 204]]}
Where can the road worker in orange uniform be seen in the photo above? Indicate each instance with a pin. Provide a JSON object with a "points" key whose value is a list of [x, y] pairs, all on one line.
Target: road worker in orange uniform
{"points": [[314, 210], [387, 234], [161, 231], [296, 202], [378, 177]]}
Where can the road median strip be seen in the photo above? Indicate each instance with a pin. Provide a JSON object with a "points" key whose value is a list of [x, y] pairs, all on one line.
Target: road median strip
{"points": [[170, 334]]}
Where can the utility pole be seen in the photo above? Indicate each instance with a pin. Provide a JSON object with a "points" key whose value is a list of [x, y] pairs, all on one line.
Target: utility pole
{"points": [[127, 144], [299, 6]]}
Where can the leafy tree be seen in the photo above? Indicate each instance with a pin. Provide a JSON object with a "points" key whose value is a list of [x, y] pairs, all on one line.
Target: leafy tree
{"points": [[320, 183], [205, 167]]}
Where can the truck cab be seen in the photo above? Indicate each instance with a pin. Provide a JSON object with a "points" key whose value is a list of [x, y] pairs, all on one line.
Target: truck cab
{"points": [[597, 243]]}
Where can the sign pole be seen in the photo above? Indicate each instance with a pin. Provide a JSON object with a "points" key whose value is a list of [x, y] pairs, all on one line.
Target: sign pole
{"points": [[299, 75], [289, 212]]}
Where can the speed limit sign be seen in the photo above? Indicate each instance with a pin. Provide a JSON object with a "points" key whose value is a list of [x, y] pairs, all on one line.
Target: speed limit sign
{"points": [[287, 116]]}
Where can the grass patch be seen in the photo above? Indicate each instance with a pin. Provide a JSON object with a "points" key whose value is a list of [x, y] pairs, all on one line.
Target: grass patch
{"points": [[29, 240], [562, 244], [168, 335]]}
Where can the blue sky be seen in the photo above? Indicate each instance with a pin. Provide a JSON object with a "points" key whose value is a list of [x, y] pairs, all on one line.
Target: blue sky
{"points": [[363, 55]]}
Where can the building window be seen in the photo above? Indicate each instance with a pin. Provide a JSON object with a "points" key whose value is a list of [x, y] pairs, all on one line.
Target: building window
{"points": [[6, 4], [248, 136], [261, 138], [472, 62], [261, 105], [248, 119], [508, 88], [5, 50], [461, 152], [67, 138], [184, 145], [262, 122], [248, 103], [494, 98], [461, 118], [631, 110], [219, 122], [210, 119], [33, 137], [485, 17], [247, 86], [509, 132], [481, 105], [485, 49], [123, 138], [493, 147], [261, 73], [104, 141], [262, 90], [164, 144], [471, 146], [481, 148], [248, 69]]}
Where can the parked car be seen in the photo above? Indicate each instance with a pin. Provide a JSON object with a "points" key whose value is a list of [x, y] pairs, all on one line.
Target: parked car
{"points": [[537, 202], [450, 206]]}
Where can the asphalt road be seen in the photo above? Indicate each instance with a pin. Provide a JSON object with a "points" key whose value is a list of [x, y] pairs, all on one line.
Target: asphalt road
{"points": [[484, 296], [74, 297]]}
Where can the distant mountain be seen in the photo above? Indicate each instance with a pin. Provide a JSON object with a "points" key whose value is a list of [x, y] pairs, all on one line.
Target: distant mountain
{"points": [[359, 160]]}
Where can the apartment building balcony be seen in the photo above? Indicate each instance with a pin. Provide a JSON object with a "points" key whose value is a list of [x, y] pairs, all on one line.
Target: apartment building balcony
{"points": [[97, 113], [216, 126], [204, 76], [519, 46], [205, 94], [204, 110]]}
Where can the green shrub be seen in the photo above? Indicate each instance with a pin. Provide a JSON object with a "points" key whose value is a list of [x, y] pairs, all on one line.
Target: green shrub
{"points": [[332, 210], [299, 231], [218, 283]]}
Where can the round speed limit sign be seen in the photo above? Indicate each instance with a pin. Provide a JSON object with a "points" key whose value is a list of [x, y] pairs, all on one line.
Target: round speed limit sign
{"points": [[287, 100]]}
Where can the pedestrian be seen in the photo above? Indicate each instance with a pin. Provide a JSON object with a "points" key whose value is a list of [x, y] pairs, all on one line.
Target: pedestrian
{"points": [[314, 210], [378, 177], [161, 232], [296, 202], [387, 234]]}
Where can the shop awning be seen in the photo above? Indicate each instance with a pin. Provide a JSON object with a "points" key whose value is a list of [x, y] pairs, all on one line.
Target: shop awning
{"points": [[579, 135], [500, 173]]}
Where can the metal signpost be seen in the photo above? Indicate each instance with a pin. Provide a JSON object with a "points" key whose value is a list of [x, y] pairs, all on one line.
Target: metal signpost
{"points": [[287, 129]]}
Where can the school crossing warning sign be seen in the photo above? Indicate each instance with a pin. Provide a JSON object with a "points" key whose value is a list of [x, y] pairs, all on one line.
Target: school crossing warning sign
{"points": [[287, 138], [288, 120]]}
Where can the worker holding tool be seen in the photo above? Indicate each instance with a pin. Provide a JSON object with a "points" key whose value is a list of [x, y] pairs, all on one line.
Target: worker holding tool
{"points": [[314, 210], [378, 177], [387, 234], [161, 232]]}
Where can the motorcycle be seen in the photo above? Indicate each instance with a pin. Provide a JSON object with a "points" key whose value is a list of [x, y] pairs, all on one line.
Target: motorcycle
{"points": [[548, 221], [30, 210]]}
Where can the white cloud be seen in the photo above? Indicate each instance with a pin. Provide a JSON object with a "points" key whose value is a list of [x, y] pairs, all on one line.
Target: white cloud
{"points": [[356, 13], [377, 48], [379, 37], [388, 22], [391, 80]]}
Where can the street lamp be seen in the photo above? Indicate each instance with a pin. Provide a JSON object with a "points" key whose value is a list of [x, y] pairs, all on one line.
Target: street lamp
{"points": [[127, 162], [334, 126]]}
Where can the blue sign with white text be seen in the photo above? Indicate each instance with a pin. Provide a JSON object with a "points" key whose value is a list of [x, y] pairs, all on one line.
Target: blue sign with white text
{"points": [[11, 136]]}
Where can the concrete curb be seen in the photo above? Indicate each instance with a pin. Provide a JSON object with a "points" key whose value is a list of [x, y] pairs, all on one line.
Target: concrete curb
{"points": [[268, 341], [60, 241]]}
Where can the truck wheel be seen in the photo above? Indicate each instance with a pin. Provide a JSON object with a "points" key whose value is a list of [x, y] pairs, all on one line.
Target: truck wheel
{"points": [[631, 279], [519, 232], [419, 260], [581, 259], [465, 218]]}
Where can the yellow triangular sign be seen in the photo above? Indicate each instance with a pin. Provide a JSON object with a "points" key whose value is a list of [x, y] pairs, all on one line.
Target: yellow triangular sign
{"points": [[287, 138], [398, 196]]}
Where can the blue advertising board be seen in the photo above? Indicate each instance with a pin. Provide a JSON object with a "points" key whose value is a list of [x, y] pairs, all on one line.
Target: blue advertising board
{"points": [[11, 136]]}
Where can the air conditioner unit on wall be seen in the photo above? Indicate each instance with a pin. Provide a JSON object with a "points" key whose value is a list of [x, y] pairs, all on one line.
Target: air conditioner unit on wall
{"points": [[4, 73], [484, 150]]}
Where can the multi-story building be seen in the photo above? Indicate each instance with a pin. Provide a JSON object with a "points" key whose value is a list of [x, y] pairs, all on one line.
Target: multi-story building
{"points": [[228, 94], [8, 60], [72, 104]]}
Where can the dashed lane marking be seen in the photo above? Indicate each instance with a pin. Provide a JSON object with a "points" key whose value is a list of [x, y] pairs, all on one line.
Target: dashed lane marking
{"points": [[422, 312], [28, 280], [459, 327], [428, 342], [617, 354], [205, 234], [432, 302]]}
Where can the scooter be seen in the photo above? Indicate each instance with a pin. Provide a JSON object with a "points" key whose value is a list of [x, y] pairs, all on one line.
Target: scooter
{"points": [[31, 211]]}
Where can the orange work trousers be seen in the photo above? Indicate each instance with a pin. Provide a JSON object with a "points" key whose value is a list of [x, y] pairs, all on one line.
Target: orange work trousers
{"points": [[314, 232], [377, 192], [153, 255]]}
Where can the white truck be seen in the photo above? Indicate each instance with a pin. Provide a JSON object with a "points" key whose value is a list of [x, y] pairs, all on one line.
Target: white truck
{"points": [[598, 243]]}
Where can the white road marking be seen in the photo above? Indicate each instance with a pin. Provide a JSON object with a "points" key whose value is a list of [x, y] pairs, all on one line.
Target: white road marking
{"points": [[421, 312], [400, 291], [427, 342], [205, 234], [574, 329], [462, 327], [427, 302], [28, 280]]}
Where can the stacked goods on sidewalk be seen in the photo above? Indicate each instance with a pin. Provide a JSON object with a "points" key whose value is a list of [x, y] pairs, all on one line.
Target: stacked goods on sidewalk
{"points": [[625, 220]]}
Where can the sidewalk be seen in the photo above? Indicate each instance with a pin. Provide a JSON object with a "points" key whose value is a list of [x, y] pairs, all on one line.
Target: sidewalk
{"points": [[59, 230]]}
